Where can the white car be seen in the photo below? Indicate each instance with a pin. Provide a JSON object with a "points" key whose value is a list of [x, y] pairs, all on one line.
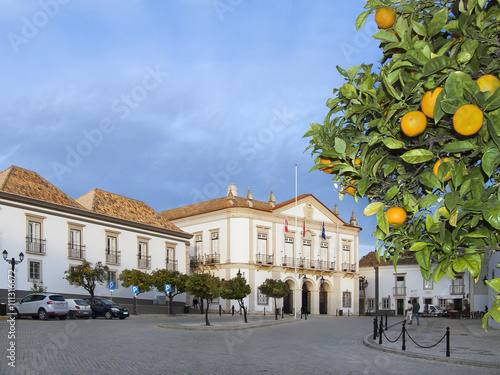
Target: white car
{"points": [[42, 306], [78, 308], [432, 310]]}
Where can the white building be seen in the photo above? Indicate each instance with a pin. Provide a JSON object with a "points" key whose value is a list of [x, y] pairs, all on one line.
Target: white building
{"points": [[235, 233], [388, 290], [56, 232]]}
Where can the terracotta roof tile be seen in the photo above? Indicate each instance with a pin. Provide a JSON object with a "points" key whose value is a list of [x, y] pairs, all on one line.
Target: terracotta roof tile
{"points": [[370, 260], [213, 205], [121, 207], [26, 183]]}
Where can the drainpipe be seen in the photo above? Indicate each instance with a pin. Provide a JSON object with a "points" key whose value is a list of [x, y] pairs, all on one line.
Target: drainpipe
{"points": [[376, 290]]}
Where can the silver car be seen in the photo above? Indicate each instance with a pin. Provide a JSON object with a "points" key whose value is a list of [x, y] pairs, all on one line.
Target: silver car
{"points": [[42, 306]]}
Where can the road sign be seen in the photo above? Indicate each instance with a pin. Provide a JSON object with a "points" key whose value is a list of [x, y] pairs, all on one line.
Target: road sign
{"points": [[111, 285], [135, 289], [168, 288]]}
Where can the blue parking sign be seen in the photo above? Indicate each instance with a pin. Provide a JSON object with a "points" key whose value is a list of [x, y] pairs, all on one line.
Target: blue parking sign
{"points": [[168, 288], [135, 289], [111, 285]]}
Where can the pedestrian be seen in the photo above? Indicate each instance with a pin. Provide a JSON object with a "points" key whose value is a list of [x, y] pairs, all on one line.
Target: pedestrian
{"points": [[416, 308], [195, 303], [409, 315]]}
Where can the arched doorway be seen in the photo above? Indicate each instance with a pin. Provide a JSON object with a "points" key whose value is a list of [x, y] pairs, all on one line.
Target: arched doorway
{"points": [[323, 299], [306, 299], [288, 300]]}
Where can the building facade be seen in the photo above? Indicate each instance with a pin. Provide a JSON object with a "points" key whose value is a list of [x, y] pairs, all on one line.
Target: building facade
{"points": [[55, 232], [280, 241], [385, 289]]}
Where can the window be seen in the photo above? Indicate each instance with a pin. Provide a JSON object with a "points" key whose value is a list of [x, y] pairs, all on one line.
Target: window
{"points": [[427, 301], [346, 299], [112, 253], [34, 242], [262, 243], [371, 304], [443, 304], [112, 276], [198, 245], [262, 299], [307, 248], [214, 249], [457, 285], [346, 258], [323, 250], [75, 246], [35, 271], [386, 303], [143, 257], [289, 247], [428, 284], [400, 289], [170, 261]]}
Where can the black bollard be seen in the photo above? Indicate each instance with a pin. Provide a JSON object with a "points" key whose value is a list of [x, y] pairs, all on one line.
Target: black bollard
{"points": [[404, 338], [282, 313], [232, 310], [386, 322], [375, 328], [380, 331], [447, 341], [220, 310], [305, 312], [264, 311]]}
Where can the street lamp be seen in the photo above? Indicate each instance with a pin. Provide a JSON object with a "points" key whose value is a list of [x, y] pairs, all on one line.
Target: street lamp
{"points": [[12, 261], [239, 273]]}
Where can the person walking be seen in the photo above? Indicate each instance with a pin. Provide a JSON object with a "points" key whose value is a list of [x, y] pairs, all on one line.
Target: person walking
{"points": [[416, 308], [409, 315]]}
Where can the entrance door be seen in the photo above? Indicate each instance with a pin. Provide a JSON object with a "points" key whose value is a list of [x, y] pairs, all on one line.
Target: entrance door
{"points": [[306, 299], [288, 302], [361, 306], [323, 300], [400, 303]]}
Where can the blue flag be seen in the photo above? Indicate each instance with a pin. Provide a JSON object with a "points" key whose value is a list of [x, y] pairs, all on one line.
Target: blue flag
{"points": [[323, 234]]}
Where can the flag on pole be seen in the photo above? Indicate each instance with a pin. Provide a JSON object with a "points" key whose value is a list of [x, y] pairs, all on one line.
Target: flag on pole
{"points": [[323, 234], [304, 228], [286, 224]]}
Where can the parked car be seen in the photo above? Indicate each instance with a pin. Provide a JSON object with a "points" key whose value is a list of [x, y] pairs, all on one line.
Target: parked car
{"points": [[106, 308], [432, 310], [78, 308], [42, 306]]}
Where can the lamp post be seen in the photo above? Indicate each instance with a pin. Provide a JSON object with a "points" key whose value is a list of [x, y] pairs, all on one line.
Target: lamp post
{"points": [[12, 261]]}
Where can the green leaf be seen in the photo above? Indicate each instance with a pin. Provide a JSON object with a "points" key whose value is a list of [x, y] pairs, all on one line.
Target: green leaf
{"points": [[386, 36], [492, 214], [383, 221], [429, 179], [423, 258], [493, 102], [459, 265], [458, 146], [417, 156], [349, 91], [391, 193], [436, 64], [373, 208], [427, 200], [438, 22], [418, 28], [495, 284], [360, 21], [417, 246], [393, 144], [451, 200], [490, 159], [340, 145]]}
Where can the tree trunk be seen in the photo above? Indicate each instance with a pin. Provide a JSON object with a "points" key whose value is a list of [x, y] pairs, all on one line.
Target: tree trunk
{"points": [[275, 309], [134, 306], [170, 304], [206, 314], [201, 306], [242, 305]]}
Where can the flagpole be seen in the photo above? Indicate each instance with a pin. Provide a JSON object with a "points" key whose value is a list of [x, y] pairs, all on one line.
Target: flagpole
{"points": [[295, 250]]}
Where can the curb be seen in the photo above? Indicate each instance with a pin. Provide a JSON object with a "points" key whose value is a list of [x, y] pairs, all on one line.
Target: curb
{"points": [[367, 343], [234, 327]]}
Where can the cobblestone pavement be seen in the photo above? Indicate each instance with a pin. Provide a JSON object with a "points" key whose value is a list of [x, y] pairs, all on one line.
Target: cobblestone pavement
{"points": [[469, 343], [183, 345]]}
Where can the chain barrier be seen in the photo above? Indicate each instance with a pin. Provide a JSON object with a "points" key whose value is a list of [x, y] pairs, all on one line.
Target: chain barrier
{"points": [[426, 347], [387, 338]]}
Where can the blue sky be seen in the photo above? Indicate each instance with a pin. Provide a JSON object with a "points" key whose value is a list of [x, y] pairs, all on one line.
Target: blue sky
{"points": [[169, 101]]}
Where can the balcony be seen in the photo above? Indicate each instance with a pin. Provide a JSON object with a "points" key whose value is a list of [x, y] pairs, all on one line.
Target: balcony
{"points": [[76, 251], [288, 261], [195, 261], [112, 257], [171, 264], [212, 258], [264, 259], [144, 261], [457, 289], [399, 291], [348, 267], [35, 246]]}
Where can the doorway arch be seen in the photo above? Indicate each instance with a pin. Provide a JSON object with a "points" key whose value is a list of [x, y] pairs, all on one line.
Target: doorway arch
{"points": [[288, 300], [306, 298], [323, 298]]}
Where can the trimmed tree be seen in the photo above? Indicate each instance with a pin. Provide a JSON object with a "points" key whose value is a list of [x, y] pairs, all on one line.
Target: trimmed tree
{"points": [[204, 286], [275, 289], [86, 276], [137, 278], [236, 289], [420, 137], [176, 280]]}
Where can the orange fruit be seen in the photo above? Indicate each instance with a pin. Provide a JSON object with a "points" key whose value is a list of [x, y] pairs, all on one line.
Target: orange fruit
{"points": [[413, 123], [357, 162], [385, 17], [328, 162], [429, 101], [351, 190], [488, 83], [447, 176], [396, 216], [468, 119]]}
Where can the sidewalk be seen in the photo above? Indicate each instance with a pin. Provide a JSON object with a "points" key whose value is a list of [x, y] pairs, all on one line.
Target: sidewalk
{"points": [[469, 343]]}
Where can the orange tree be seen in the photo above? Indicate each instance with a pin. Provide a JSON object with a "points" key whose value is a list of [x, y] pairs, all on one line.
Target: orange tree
{"points": [[451, 222]]}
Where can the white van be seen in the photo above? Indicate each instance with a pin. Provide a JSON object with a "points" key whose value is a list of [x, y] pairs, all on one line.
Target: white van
{"points": [[432, 309]]}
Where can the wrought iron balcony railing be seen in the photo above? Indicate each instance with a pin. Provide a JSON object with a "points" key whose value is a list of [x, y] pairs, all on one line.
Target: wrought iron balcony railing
{"points": [[399, 291], [195, 261], [212, 258], [288, 261], [76, 251], [35, 246], [171, 264], [264, 259], [144, 261], [457, 289], [112, 257], [348, 267]]}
